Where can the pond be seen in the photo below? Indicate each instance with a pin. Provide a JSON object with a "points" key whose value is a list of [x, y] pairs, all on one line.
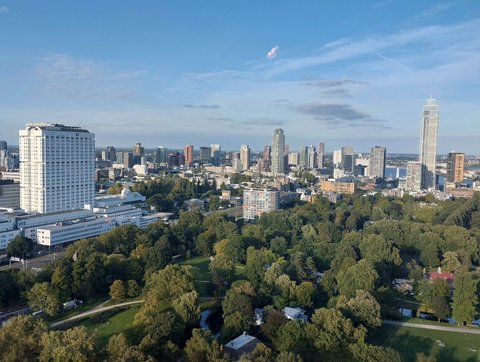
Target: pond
{"points": [[212, 320]]}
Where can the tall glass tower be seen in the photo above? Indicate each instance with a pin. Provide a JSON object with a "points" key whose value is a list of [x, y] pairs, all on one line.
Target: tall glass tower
{"points": [[278, 152], [428, 143]]}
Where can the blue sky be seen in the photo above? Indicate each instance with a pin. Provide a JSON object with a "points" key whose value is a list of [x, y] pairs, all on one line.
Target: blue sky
{"points": [[176, 72]]}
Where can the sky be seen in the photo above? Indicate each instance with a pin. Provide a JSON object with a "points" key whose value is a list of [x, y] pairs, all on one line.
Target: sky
{"points": [[170, 73]]}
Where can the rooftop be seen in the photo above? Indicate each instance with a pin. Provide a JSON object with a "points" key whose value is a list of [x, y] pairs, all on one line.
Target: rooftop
{"points": [[240, 341]]}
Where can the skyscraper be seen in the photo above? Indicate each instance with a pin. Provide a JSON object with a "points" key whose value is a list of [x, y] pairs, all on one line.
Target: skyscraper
{"points": [[278, 152], [311, 157], [245, 157], [455, 167], [428, 143], [57, 167], [205, 154], [321, 155], [161, 154], [348, 159], [267, 150], [188, 152], [377, 161], [111, 153]]}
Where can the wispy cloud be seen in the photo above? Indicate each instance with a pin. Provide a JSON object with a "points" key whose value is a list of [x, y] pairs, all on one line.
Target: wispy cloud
{"points": [[3, 9], [204, 106], [436, 9], [264, 122], [64, 75], [396, 62]]}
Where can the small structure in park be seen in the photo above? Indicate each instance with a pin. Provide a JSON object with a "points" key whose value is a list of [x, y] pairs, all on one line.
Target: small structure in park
{"points": [[297, 314], [243, 344], [449, 277]]}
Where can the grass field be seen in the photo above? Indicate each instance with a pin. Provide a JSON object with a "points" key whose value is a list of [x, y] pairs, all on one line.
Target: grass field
{"points": [[117, 323], [410, 341]]}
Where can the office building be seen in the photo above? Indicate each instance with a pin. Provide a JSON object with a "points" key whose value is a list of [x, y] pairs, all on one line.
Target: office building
{"points": [[188, 153], [455, 167], [337, 158], [215, 150], [311, 157], [414, 176], [378, 157], [428, 143], [348, 159], [245, 157], [293, 158], [3, 145], [111, 154], [278, 152], [205, 155], [321, 155], [57, 168], [303, 156], [138, 150], [161, 154], [9, 194], [258, 201]]}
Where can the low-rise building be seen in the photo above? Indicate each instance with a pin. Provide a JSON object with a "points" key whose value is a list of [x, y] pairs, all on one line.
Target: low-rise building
{"points": [[338, 187], [9, 194], [242, 345], [297, 314]]}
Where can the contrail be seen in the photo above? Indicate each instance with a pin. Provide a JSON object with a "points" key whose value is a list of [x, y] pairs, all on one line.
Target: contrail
{"points": [[394, 62]]}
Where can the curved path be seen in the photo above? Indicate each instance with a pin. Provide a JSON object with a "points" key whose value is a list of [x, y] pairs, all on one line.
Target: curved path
{"points": [[97, 309], [433, 327]]}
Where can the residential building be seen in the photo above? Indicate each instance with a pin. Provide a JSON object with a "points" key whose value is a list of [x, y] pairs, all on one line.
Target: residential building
{"points": [[303, 156], [57, 168], [278, 152], [311, 157], [245, 157], [338, 187], [188, 152], [414, 176], [240, 346], [337, 158], [428, 143], [293, 158], [378, 157], [455, 167], [267, 153], [258, 201], [321, 155]]}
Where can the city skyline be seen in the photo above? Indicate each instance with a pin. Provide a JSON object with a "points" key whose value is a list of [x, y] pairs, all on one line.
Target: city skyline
{"points": [[166, 79]]}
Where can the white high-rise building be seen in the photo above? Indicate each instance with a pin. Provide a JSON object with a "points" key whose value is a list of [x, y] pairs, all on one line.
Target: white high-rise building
{"points": [[278, 152], [258, 201], [337, 158], [428, 143], [57, 166], [414, 176], [245, 157], [377, 161]]}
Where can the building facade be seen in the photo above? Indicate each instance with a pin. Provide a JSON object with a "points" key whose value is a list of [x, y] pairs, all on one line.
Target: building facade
{"points": [[414, 176], [57, 168], [455, 167], [188, 152], [278, 152], [245, 157], [378, 157], [428, 143], [258, 201], [9, 194]]}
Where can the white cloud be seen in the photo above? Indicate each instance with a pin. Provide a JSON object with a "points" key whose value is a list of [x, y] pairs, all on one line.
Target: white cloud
{"points": [[273, 52]]}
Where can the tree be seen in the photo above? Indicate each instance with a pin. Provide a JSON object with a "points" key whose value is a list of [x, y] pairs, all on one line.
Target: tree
{"points": [[20, 339], [439, 302], [288, 357], [465, 298], [118, 291], [72, 345], [42, 297], [133, 289], [451, 262], [20, 247], [201, 347], [304, 294], [119, 350], [362, 276], [362, 309], [187, 307]]}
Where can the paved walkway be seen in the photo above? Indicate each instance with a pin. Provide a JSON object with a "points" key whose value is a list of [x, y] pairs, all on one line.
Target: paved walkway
{"points": [[97, 309], [433, 327]]}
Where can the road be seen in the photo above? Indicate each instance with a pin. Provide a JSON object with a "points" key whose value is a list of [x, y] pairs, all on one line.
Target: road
{"points": [[433, 327], [38, 262], [97, 309]]}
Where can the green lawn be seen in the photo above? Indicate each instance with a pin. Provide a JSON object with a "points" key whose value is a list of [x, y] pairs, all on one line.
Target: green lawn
{"points": [[410, 341], [117, 323], [67, 313]]}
